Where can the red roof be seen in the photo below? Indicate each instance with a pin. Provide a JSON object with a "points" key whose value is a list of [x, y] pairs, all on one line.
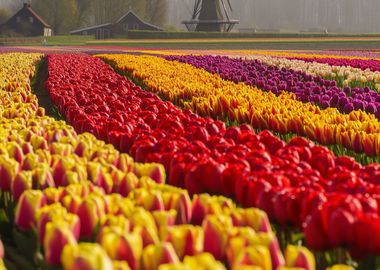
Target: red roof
{"points": [[38, 17]]}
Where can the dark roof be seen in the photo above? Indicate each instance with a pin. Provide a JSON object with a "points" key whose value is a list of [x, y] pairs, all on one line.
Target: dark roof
{"points": [[90, 28], [34, 14], [38, 17], [134, 14]]}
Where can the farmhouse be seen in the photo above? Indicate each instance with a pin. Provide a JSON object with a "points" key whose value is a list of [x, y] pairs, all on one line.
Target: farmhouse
{"points": [[129, 21], [26, 22]]}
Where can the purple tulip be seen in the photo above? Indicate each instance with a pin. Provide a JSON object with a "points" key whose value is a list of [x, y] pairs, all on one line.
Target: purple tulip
{"points": [[348, 108], [371, 108]]}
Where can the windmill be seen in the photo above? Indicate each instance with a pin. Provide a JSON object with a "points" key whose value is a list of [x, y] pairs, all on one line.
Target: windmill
{"points": [[211, 16]]}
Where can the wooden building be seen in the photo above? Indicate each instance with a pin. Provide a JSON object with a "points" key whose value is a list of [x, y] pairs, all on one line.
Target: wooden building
{"points": [[129, 21], [26, 22]]}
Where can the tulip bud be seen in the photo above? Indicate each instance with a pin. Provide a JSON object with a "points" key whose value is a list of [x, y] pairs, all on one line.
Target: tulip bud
{"points": [[155, 255], [70, 178], [119, 265], [123, 246], [256, 256], [22, 182], [60, 149], [186, 239], [29, 202], [52, 194], [152, 170], [104, 180], [125, 163], [127, 184], [43, 177], [239, 238], [44, 215], [179, 201], [81, 149], [204, 205], [15, 151], [71, 203], [270, 241], [85, 256], [144, 221], [116, 221], [27, 148], [256, 219], [58, 235], [89, 212], [164, 220], [38, 142], [210, 169], [76, 190], [216, 230], [299, 257], [8, 170], [151, 200], [31, 161], [203, 261]]}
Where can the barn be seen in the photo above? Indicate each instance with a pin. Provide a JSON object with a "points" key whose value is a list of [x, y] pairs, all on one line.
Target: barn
{"points": [[129, 21], [26, 22]]}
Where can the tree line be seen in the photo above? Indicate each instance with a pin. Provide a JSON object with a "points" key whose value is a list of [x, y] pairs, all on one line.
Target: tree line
{"points": [[67, 15]]}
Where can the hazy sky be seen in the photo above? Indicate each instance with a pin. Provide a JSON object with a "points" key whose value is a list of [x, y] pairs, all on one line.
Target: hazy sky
{"points": [[296, 15], [355, 16]]}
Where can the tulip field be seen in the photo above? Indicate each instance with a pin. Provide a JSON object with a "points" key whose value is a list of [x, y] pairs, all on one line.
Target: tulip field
{"points": [[187, 160]]}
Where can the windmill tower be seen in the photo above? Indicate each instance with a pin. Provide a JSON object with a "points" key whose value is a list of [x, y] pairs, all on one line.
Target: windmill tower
{"points": [[211, 16]]}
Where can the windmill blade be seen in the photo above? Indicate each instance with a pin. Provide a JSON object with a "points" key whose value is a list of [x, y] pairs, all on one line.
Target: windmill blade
{"points": [[197, 8], [229, 4], [225, 9]]}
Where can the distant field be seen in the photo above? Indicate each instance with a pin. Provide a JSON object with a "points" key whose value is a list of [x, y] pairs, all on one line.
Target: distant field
{"points": [[282, 43], [259, 43], [50, 41]]}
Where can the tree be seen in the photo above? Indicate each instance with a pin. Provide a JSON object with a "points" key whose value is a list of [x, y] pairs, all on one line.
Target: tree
{"points": [[4, 15], [61, 15]]}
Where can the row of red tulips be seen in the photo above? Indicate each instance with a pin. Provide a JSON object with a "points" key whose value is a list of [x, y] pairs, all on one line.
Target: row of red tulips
{"points": [[297, 183]]}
